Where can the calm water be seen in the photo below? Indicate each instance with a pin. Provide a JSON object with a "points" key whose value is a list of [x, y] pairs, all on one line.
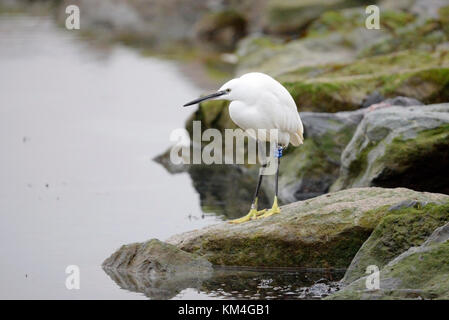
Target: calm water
{"points": [[79, 127]]}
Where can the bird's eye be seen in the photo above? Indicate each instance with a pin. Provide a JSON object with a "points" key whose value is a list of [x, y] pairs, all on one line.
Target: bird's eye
{"points": [[228, 90]]}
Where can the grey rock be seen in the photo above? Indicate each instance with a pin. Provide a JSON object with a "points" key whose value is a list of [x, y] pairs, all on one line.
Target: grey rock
{"points": [[326, 135], [373, 98], [418, 273], [403, 101], [324, 231], [407, 204], [393, 147], [156, 259]]}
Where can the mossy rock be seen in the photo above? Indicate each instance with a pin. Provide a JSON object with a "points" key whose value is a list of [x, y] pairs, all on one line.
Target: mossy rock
{"points": [[325, 231], [393, 147], [347, 20], [343, 86], [398, 230], [291, 17], [157, 259], [423, 35], [418, 273]]}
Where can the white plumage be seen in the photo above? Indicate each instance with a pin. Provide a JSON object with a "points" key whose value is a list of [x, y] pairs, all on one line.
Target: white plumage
{"points": [[261, 102]]}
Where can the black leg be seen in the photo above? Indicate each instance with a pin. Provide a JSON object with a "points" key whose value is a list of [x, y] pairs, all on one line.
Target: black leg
{"points": [[256, 194], [277, 178]]}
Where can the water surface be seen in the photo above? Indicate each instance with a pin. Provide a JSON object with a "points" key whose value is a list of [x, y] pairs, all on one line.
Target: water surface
{"points": [[79, 126]]}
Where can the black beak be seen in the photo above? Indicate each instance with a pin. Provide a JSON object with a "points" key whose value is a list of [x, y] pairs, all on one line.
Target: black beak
{"points": [[210, 96]]}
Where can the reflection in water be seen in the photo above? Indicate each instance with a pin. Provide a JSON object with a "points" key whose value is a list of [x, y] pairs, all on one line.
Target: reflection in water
{"points": [[158, 289], [225, 189], [228, 283]]}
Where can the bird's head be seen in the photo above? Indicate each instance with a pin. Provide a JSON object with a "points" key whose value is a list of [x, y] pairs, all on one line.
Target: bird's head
{"points": [[235, 89]]}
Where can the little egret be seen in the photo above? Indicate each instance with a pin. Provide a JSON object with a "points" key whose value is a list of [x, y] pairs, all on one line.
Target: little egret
{"points": [[260, 102]]}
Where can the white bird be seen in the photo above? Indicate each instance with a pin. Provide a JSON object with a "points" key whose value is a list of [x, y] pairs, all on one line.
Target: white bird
{"points": [[260, 102]]}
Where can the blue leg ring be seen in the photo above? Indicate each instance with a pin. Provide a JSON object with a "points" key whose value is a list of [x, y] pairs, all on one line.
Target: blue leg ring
{"points": [[279, 152]]}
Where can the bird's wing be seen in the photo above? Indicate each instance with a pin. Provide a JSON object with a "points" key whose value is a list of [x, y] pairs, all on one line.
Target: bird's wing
{"points": [[278, 107], [284, 114]]}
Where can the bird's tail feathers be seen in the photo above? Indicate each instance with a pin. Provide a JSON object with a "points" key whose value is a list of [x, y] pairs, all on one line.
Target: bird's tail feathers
{"points": [[297, 138]]}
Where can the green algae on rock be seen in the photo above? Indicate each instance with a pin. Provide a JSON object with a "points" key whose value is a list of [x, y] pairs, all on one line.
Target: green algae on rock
{"points": [[286, 17], [326, 231], [418, 273], [397, 231], [393, 147], [156, 258]]}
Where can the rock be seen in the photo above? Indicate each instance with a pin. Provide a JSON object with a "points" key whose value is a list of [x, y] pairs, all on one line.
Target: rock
{"points": [[274, 57], [336, 36], [377, 99], [153, 23], [404, 225], [344, 86], [426, 33], [373, 98], [338, 63], [287, 17], [393, 147], [156, 259], [222, 29], [325, 231], [429, 8], [403, 102], [418, 273], [311, 169]]}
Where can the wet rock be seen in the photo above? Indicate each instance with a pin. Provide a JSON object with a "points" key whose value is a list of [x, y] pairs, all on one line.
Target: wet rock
{"points": [[237, 284], [406, 224], [418, 273], [393, 147], [222, 29], [160, 288], [156, 259], [226, 190], [325, 231]]}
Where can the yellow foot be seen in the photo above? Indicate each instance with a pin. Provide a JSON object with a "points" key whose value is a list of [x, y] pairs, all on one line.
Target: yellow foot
{"points": [[274, 210], [253, 214]]}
